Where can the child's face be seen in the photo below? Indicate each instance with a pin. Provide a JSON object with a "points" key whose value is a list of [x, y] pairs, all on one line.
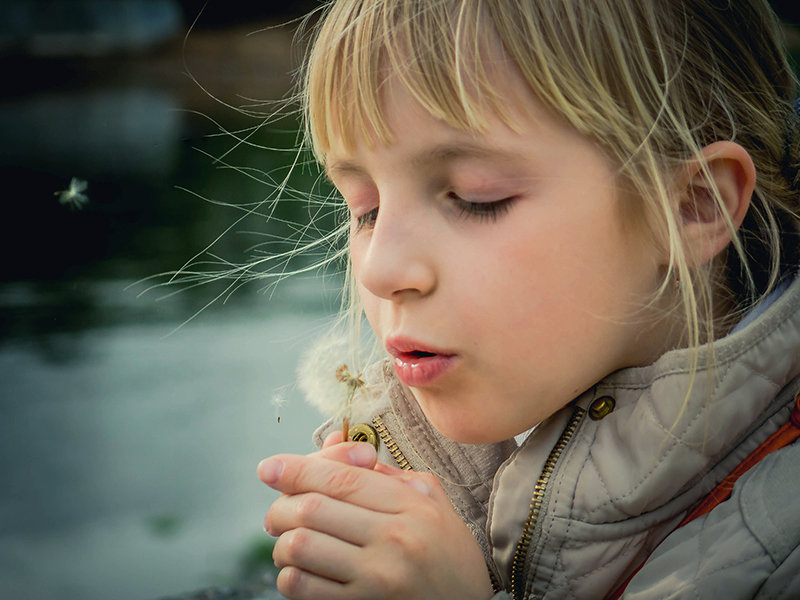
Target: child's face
{"points": [[497, 269]]}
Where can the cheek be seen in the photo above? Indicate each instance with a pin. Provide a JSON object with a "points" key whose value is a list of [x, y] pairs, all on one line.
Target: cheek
{"points": [[545, 281], [519, 274]]}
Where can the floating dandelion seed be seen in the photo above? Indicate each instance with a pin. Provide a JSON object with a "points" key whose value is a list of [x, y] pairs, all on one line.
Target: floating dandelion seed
{"points": [[278, 400], [329, 384], [74, 195]]}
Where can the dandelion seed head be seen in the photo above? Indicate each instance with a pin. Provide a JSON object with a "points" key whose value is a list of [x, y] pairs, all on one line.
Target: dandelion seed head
{"points": [[328, 383]]}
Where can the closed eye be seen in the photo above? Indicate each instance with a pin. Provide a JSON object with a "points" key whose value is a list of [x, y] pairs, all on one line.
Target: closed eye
{"points": [[490, 211], [481, 210]]}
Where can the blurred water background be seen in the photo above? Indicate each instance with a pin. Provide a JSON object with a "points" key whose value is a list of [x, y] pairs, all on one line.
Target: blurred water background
{"points": [[128, 444]]}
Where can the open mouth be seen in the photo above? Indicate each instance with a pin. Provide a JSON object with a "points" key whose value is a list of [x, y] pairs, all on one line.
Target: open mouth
{"points": [[413, 356], [417, 365], [420, 354]]}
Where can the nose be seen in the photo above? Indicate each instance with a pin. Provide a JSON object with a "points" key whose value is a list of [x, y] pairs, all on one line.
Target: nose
{"points": [[397, 261]]}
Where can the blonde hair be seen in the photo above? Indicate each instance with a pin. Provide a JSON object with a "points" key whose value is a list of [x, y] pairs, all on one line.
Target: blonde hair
{"points": [[650, 82]]}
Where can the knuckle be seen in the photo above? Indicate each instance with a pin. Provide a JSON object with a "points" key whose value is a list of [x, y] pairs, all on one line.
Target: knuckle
{"points": [[344, 482], [430, 479], [404, 537], [307, 507], [392, 582], [295, 545]]}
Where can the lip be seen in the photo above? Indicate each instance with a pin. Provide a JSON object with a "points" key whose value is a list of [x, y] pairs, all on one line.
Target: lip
{"points": [[418, 364]]}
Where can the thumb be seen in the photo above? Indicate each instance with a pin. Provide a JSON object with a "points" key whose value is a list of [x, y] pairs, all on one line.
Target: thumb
{"points": [[357, 454]]}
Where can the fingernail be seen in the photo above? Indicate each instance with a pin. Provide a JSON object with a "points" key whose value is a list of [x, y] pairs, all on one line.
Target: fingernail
{"points": [[269, 470], [362, 454]]}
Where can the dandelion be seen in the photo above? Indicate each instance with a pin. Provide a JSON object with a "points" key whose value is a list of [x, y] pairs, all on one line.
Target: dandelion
{"points": [[330, 385], [74, 195], [353, 382]]}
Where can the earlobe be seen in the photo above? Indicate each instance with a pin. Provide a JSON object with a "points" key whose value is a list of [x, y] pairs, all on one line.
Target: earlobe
{"points": [[715, 199]]}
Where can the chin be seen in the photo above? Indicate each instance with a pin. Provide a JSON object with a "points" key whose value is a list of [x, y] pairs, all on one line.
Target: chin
{"points": [[467, 432], [456, 422]]}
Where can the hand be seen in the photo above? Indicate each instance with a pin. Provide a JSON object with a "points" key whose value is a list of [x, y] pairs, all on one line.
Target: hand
{"points": [[351, 528]]}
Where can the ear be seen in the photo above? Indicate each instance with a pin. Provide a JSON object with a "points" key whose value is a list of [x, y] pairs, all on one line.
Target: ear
{"points": [[705, 229]]}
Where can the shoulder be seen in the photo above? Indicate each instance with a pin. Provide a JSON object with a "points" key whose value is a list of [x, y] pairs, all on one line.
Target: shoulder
{"points": [[747, 547]]}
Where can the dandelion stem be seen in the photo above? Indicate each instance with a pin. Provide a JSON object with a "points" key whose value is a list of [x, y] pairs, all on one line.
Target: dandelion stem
{"points": [[353, 382]]}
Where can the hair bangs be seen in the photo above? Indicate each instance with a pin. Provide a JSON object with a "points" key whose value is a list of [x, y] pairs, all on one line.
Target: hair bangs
{"points": [[438, 50]]}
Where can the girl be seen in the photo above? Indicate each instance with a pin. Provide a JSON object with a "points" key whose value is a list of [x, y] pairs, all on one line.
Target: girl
{"points": [[577, 217]]}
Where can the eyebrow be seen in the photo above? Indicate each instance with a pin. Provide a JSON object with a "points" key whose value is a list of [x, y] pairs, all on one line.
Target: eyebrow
{"points": [[442, 153]]}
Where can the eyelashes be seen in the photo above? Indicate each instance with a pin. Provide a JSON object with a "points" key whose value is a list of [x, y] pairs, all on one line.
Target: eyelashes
{"points": [[481, 211], [368, 219]]}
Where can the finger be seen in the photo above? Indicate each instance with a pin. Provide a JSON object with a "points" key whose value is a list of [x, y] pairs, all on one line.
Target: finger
{"points": [[293, 474], [342, 520], [334, 437], [316, 553], [358, 454], [296, 584]]}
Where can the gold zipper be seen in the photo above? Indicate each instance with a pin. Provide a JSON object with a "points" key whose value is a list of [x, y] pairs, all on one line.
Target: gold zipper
{"points": [[390, 444], [521, 553]]}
